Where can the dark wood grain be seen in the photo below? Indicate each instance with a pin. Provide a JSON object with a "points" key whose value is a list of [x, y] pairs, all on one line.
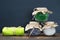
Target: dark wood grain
{"points": [[26, 37]]}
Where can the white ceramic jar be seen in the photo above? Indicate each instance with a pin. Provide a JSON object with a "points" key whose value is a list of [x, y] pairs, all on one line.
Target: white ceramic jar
{"points": [[49, 28], [49, 31]]}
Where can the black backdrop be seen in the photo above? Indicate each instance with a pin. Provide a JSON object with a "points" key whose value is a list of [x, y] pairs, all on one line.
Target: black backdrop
{"points": [[18, 12]]}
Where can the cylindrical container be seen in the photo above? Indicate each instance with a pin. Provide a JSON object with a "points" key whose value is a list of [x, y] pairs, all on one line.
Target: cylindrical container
{"points": [[41, 17], [7, 31], [49, 31], [19, 31]]}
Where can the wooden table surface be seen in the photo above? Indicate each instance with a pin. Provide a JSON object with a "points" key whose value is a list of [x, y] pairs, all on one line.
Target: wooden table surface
{"points": [[41, 37]]}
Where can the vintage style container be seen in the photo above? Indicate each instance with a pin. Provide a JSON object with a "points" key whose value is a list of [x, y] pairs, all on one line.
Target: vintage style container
{"points": [[33, 28], [49, 28]]}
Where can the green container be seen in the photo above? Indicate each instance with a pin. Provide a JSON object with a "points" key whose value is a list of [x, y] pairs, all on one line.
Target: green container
{"points": [[41, 17], [7, 31], [19, 31], [13, 31]]}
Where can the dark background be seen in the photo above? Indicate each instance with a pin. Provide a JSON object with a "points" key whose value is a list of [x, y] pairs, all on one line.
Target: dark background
{"points": [[18, 12]]}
